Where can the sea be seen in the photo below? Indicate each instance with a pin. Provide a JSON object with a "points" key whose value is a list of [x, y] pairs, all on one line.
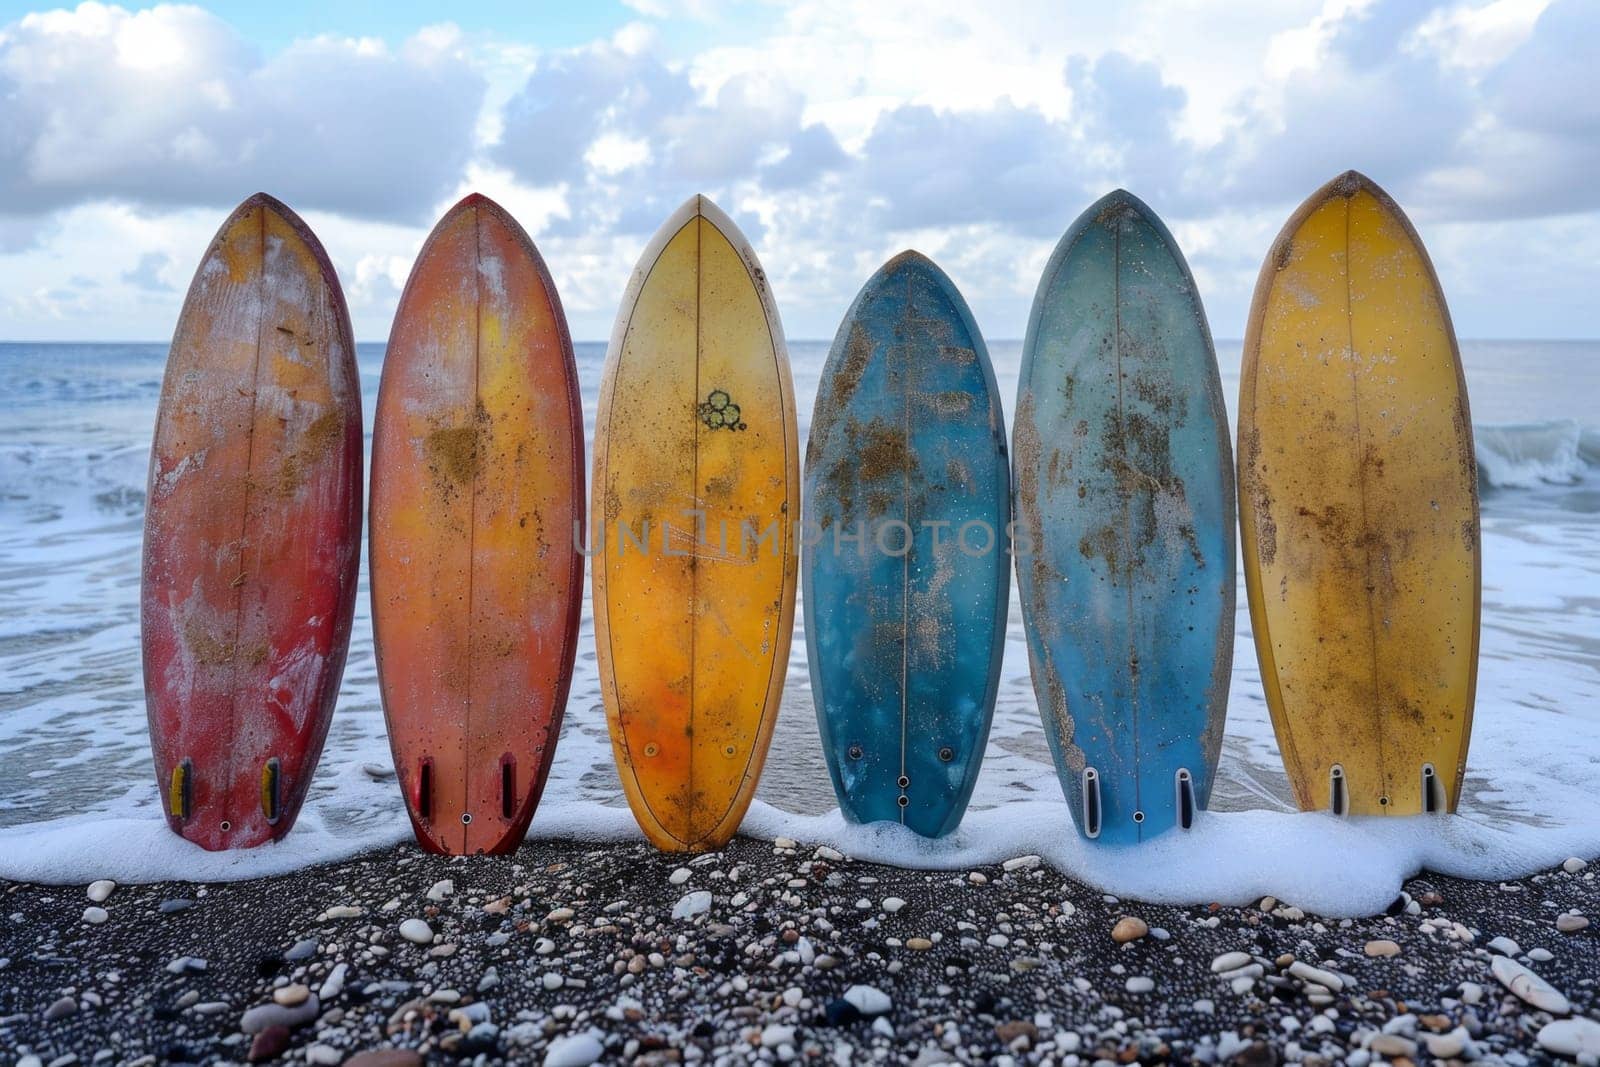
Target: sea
{"points": [[79, 799]]}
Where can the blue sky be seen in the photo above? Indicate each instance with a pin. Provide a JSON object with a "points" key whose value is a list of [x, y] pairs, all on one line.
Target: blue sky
{"points": [[835, 133]]}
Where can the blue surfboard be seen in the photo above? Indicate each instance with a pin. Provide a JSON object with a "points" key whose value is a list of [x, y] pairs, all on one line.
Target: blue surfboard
{"points": [[905, 569], [1124, 501]]}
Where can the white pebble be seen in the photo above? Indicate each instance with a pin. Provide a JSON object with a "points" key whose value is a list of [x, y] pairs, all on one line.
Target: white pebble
{"points": [[1505, 946], [333, 985], [1529, 986], [1571, 1037], [777, 1034], [1307, 973], [574, 1050], [99, 890], [1573, 865], [893, 904], [95, 916], [692, 904], [679, 876], [868, 1000], [1229, 961], [416, 931], [441, 889], [1140, 984]]}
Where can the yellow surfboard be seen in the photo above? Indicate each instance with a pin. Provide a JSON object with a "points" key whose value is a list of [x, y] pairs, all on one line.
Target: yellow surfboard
{"points": [[1358, 505], [696, 492]]}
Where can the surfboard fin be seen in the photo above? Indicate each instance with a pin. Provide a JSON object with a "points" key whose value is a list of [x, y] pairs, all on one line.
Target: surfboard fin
{"points": [[271, 789], [424, 796], [508, 786], [1432, 790], [1091, 802], [1338, 800], [180, 793], [1185, 790]]}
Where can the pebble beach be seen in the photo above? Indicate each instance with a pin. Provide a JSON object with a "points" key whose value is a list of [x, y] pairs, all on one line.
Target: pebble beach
{"points": [[567, 954]]}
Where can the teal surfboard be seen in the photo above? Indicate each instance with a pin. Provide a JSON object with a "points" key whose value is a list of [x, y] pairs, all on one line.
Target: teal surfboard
{"points": [[905, 569], [1125, 497]]}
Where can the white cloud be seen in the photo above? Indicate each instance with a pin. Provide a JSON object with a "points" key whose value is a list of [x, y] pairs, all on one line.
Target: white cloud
{"points": [[169, 107]]}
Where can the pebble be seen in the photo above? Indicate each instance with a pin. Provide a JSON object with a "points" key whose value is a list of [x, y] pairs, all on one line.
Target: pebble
{"points": [[1529, 986], [441, 889], [1307, 973], [832, 855], [1129, 928], [776, 1035], [1573, 865], [388, 1057], [893, 904], [377, 771], [560, 915], [1571, 1037], [1229, 961], [301, 950], [167, 907], [341, 911], [918, 944], [417, 932], [95, 916], [679, 876], [1505, 946], [1571, 923], [692, 904], [99, 890], [291, 994], [333, 985], [320, 1055], [574, 1050], [186, 965], [1382, 947], [60, 1009], [1021, 863], [868, 1000], [268, 1044], [263, 1016], [552, 981], [1140, 984], [1392, 1045], [1447, 1046]]}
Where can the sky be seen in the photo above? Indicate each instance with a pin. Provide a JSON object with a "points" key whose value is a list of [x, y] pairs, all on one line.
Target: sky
{"points": [[835, 134]]}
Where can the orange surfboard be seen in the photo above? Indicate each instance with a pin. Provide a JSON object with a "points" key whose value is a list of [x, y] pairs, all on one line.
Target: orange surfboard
{"points": [[252, 531], [477, 518]]}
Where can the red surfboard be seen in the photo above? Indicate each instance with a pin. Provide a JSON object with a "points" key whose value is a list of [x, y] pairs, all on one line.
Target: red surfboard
{"points": [[477, 513], [252, 531]]}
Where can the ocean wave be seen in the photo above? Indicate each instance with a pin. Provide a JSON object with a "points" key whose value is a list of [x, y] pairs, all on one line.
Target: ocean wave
{"points": [[1510, 456], [1527, 455]]}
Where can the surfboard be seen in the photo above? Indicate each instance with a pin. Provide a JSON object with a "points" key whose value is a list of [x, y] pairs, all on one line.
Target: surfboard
{"points": [[696, 493], [906, 565], [1125, 546], [477, 524], [252, 531], [1359, 509]]}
